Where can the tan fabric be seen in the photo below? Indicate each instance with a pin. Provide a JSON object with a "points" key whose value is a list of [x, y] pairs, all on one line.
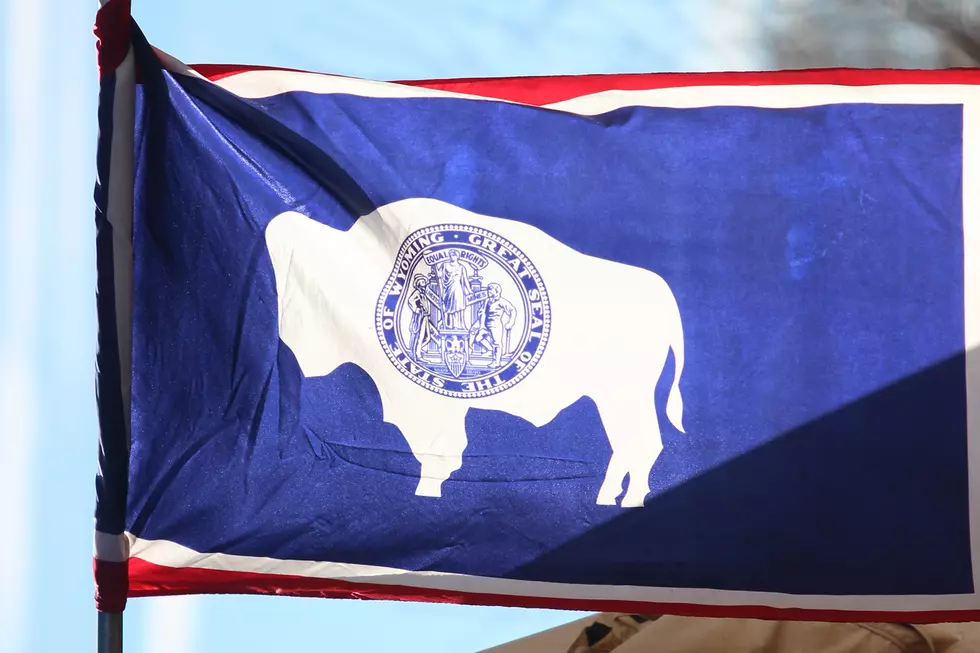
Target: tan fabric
{"points": [[607, 632], [617, 633]]}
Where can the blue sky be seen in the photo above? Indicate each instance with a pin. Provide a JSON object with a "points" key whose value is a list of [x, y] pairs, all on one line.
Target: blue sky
{"points": [[47, 313]]}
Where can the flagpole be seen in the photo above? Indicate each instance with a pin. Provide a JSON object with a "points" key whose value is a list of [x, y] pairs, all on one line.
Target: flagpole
{"points": [[110, 632]]}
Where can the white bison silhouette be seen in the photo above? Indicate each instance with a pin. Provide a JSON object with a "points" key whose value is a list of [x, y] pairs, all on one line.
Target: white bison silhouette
{"points": [[611, 327]]}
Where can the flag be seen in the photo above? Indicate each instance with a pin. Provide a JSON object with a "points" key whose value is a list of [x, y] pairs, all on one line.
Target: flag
{"points": [[695, 344]]}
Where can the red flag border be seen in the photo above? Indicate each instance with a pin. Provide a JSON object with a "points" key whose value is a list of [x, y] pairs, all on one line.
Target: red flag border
{"points": [[148, 579], [545, 90]]}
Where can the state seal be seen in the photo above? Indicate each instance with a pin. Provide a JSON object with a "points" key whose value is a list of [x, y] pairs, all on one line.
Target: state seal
{"points": [[463, 313]]}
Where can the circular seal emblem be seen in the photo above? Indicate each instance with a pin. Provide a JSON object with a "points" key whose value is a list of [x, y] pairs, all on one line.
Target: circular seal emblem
{"points": [[463, 313]]}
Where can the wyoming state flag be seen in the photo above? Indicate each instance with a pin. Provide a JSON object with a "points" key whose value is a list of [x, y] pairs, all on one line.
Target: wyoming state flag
{"points": [[696, 344]]}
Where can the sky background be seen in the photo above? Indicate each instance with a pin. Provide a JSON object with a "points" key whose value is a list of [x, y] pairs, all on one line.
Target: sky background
{"points": [[47, 313]]}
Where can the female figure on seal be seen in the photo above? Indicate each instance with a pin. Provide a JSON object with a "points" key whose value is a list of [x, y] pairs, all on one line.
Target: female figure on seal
{"points": [[454, 279]]}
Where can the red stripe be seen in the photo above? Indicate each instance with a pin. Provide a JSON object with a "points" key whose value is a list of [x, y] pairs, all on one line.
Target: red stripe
{"points": [[111, 585], [216, 71], [112, 25], [546, 90], [148, 579]]}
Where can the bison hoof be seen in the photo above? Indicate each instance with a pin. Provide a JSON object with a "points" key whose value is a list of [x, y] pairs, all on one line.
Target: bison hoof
{"points": [[633, 501], [606, 500], [429, 487]]}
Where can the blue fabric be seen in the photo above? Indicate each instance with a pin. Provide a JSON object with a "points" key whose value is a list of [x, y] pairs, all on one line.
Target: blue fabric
{"points": [[817, 258], [110, 481]]}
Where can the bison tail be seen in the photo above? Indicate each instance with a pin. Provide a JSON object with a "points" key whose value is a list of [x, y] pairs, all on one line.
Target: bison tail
{"points": [[675, 404]]}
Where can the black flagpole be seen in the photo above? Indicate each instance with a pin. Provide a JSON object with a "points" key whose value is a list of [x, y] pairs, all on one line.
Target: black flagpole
{"points": [[110, 632]]}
